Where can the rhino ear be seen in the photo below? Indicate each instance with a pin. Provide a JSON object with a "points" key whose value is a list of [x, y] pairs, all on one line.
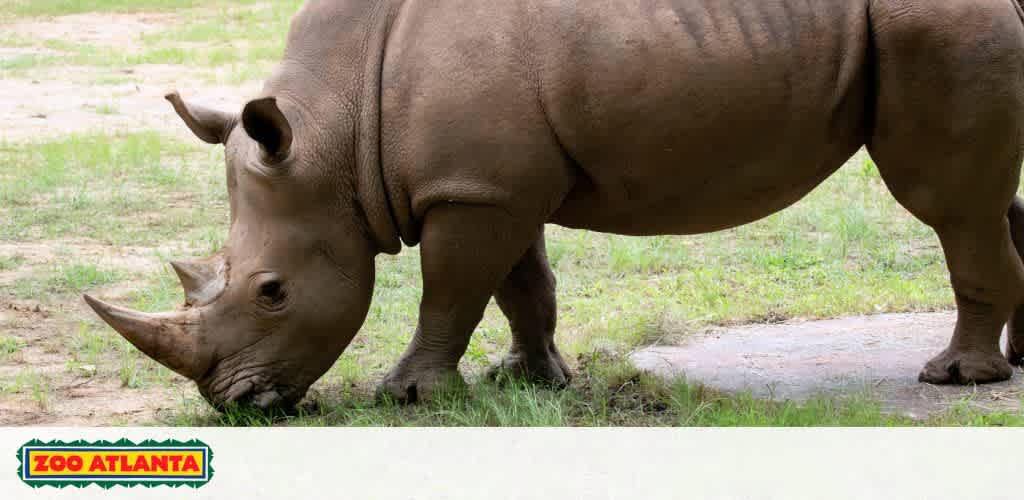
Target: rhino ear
{"points": [[210, 125], [267, 125]]}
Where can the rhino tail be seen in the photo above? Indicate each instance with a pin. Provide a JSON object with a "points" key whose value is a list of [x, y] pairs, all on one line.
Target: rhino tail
{"points": [[1015, 327]]}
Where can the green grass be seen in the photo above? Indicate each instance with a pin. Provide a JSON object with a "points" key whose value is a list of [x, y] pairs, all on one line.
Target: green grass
{"points": [[77, 278], [114, 357], [225, 42], [29, 382], [609, 393], [138, 188], [107, 109], [65, 280], [65, 7], [9, 346], [9, 262], [91, 345]]}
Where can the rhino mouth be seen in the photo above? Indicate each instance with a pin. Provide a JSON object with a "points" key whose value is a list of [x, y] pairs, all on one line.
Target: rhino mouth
{"points": [[256, 391]]}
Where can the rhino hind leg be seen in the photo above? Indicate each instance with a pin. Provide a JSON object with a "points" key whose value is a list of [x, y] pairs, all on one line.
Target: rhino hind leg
{"points": [[988, 281], [947, 140], [527, 297]]}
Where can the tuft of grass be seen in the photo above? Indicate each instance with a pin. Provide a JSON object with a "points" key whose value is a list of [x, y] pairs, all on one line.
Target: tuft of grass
{"points": [[77, 278], [112, 355], [29, 288], [137, 371], [26, 61], [90, 345], [66, 7], [107, 109], [11, 262], [29, 382], [9, 346], [70, 279], [159, 292]]}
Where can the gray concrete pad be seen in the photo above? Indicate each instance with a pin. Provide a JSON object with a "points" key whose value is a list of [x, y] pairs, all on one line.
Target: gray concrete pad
{"points": [[875, 355]]}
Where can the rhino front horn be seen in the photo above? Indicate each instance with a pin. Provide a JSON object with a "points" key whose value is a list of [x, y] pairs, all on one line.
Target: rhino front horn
{"points": [[169, 338], [202, 280]]}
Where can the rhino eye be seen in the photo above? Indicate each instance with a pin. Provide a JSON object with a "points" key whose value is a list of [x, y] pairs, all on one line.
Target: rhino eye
{"points": [[268, 291], [270, 294], [272, 291]]}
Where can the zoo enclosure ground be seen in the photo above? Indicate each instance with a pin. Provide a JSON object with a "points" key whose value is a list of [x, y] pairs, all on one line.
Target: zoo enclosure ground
{"points": [[100, 186]]}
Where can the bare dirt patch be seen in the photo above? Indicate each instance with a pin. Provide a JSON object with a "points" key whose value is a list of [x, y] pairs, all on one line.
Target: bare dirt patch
{"points": [[130, 258], [111, 29], [40, 386], [874, 356], [53, 100], [50, 104], [45, 380]]}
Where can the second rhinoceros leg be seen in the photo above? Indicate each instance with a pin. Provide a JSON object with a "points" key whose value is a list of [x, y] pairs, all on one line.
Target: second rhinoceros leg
{"points": [[1015, 327], [947, 141], [527, 297], [466, 252]]}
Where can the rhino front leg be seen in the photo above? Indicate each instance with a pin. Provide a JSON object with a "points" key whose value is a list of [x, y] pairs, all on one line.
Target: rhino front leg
{"points": [[527, 297], [466, 252]]}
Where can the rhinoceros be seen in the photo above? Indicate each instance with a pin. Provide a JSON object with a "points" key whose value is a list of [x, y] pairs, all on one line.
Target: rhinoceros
{"points": [[465, 126]]}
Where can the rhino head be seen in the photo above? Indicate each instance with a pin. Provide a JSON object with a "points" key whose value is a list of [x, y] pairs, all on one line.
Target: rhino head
{"points": [[269, 314]]}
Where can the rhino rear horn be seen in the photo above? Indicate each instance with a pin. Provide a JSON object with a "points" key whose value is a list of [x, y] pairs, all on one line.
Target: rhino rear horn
{"points": [[203, 280], [210, 125]]}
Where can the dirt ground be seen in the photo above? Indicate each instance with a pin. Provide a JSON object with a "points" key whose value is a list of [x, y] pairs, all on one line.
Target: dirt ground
{"points": [[56, 101], [51, 102], [70, 396]]}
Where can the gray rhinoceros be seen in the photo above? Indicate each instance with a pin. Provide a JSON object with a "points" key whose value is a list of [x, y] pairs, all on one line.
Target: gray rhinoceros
{"points": [[465, 126]]}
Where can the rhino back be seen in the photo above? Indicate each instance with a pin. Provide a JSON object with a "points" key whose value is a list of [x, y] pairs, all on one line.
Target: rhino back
{"points": [[667, 116]]}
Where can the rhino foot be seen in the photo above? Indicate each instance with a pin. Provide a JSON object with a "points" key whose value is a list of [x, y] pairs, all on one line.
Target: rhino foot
{"points": [[546, 367], [966, 367], [411, 385]]}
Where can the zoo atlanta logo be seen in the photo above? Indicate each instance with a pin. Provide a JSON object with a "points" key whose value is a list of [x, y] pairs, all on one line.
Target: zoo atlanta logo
{"points": [[121, 463]]}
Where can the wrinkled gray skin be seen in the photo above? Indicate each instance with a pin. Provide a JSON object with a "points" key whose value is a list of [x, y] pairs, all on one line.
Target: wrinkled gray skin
{"points": [[465, 126]]}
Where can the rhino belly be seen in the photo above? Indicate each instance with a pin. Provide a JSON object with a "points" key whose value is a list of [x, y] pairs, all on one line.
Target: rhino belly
{"points": [[690, 116]]}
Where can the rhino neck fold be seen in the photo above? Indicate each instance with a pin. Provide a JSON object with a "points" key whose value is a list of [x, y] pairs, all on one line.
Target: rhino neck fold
{"points": [[370, 182]]}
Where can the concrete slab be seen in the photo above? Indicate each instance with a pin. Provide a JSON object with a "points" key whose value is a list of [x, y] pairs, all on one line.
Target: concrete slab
{"points": [[875, 355]]}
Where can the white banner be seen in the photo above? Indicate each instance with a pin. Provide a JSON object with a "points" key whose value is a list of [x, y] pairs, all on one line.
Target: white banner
{"points": [[628, 464]]}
